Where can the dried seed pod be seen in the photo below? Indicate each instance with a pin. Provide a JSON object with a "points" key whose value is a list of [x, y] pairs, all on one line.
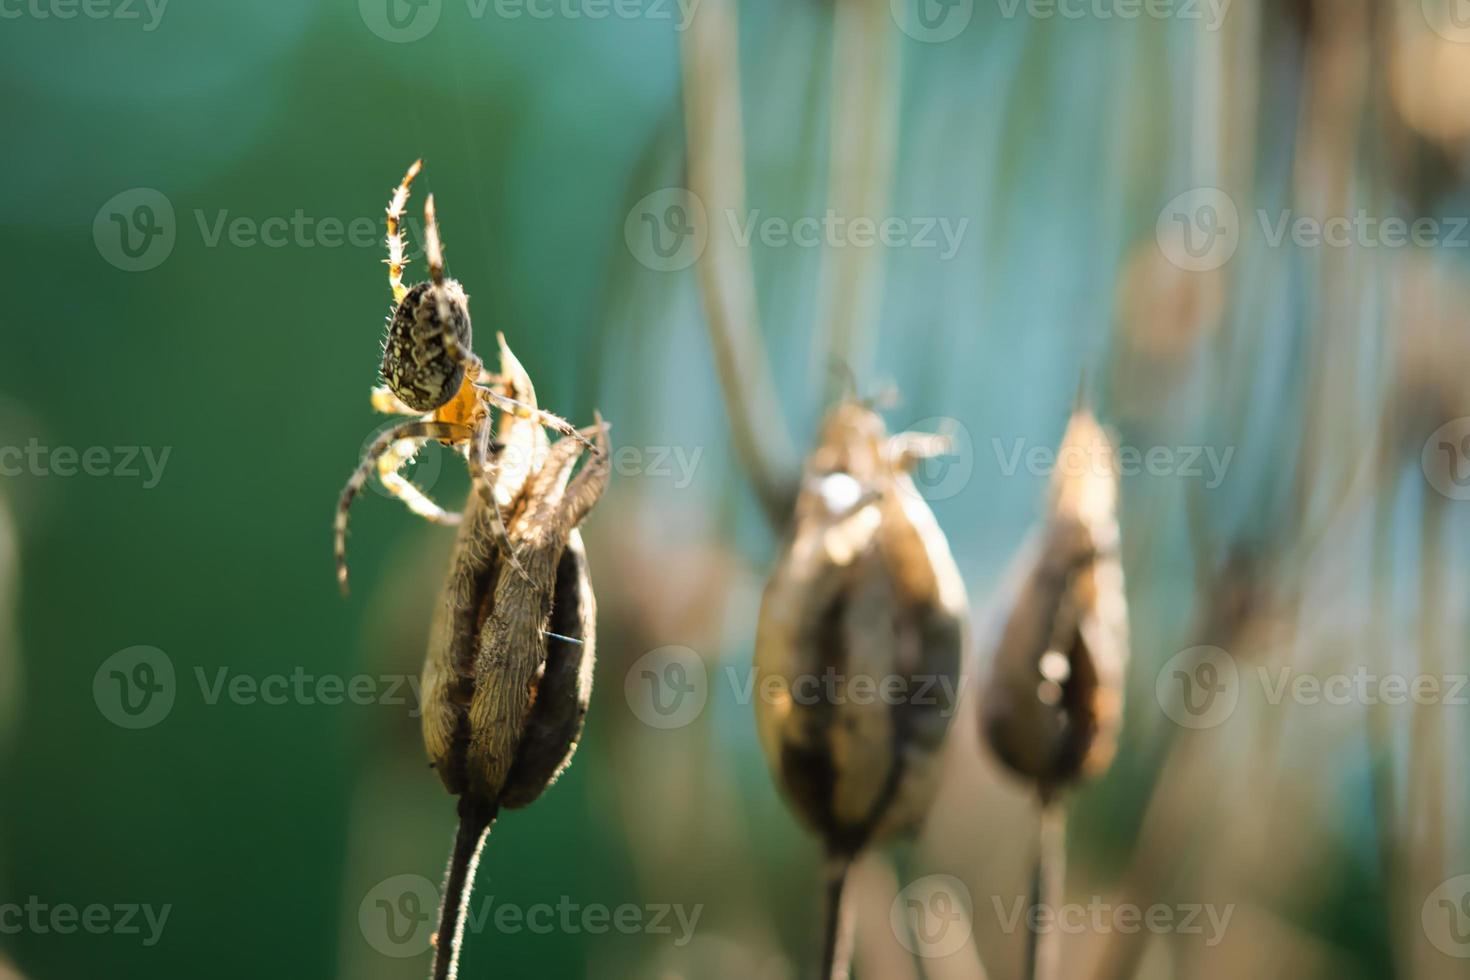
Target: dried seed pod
{"points": [[861, 628], [509, 671], [1053, 703]]}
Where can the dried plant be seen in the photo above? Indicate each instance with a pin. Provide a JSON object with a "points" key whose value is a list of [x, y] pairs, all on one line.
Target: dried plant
{"points": [[508, 675], [1053, 703]]}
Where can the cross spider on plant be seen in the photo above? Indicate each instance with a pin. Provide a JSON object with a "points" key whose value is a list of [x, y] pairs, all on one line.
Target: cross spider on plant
{"points": [[431, 372]]}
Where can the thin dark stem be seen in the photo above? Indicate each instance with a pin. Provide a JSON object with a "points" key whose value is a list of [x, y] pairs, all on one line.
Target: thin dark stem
{"points": [[1047, 881], [836, 942], [475, 818]]}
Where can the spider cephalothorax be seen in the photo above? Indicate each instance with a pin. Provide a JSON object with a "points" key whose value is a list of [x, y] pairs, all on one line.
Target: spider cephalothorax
{"points": [[431, 372]]}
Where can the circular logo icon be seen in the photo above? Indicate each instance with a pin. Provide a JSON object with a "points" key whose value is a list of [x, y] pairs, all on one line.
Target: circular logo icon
{"points": [[1199, 230], [931, 917], [400, 21], [423, 461], [135, 688], [1198, 687], [932, 21], [397, 916], [1450, 19], [667, 230], [135, 230], [941, 475], [1446, 459], [1445, 916], [667, 688]]}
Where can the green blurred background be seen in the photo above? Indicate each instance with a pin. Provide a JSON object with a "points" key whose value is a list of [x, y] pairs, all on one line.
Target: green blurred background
{"points": [[267, 828]]}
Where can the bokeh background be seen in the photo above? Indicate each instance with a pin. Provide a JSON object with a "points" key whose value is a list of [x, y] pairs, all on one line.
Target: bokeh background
{"points": [[191, 218]]}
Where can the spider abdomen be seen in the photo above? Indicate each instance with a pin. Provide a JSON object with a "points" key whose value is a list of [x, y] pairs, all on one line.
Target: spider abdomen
{"points": [[428, 344]]}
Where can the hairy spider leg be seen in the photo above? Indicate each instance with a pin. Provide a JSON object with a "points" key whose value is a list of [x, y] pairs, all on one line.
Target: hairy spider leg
{"points": [[418, 429], [405, 489], [395, 259], [523, 411]]}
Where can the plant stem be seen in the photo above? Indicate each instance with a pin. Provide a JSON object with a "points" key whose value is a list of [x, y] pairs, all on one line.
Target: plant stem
{"points": [[1047, 882], [836, 938], [475, 818]]}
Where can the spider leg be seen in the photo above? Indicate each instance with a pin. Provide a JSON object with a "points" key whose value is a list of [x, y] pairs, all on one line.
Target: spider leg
{"points": [[433, 247], [523, 411], [482, 471], [406, 490], [388, 403], [396, 204], [417, 429]]}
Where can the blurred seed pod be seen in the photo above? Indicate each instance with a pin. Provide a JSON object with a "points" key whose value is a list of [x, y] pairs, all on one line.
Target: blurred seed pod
{"points": [[1053, 703], [858, 647]]}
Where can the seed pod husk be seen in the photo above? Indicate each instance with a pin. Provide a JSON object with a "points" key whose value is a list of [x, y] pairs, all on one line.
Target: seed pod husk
{"points": [[509, 672], [865, 594], [1053, 703]]}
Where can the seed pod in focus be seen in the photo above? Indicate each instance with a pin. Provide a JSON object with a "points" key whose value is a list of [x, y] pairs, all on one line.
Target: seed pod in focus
{"points": [[858, 647], [509, 671], [1053, 703], [508, 676]]}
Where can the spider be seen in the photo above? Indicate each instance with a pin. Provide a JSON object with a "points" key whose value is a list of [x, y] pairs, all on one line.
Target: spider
{"points": [[430, 371]]}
